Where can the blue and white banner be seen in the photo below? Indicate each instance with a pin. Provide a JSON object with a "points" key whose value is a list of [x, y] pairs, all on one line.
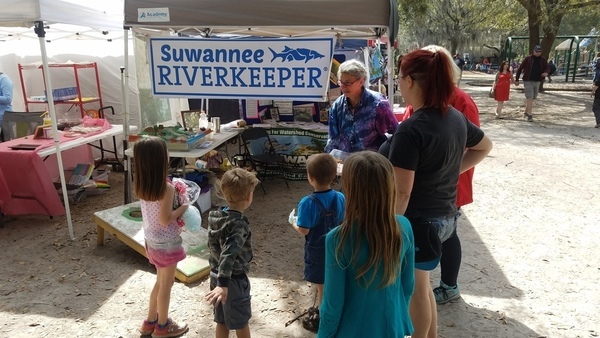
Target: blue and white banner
{"points": [[282, 69]]}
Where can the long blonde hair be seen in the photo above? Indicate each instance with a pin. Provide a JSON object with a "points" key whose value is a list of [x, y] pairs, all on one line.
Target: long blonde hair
{"points": [[368, 184]]}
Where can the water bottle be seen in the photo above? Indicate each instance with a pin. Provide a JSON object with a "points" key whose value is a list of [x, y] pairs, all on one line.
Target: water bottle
{"points": [[203, 121]]}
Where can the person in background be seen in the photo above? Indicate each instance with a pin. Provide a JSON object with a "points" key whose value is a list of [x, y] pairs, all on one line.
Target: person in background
{"points": [[551, 70], [398, 63], [596, 96], [318, 213], [513, 66], [460, 63], [164, 246], [230, 245], [452, 248], [6, 94], [534, 68], [369, 260], [486, 65], [429, 151], [596, 67], [501, 87], [359, 118]]}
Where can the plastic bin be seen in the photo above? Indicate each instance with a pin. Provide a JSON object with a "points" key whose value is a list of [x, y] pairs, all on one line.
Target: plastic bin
{"points": [[67, 93], [204, 202]]}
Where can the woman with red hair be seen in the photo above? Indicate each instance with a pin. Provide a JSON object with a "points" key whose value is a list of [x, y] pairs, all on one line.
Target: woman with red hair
{"points": [[428, 154], [451, 248]]}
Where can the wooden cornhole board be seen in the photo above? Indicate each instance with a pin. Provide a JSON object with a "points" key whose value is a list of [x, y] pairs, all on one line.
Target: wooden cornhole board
{"points": [[125, 223]]}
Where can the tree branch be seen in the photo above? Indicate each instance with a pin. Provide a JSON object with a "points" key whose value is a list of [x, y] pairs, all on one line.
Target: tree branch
{"points": [[582, 4], [527, 4]]}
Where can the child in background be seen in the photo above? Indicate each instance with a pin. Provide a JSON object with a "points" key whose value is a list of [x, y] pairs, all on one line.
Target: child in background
{"points": [[230, 245], [318, 213], [161, 232], [369, 258]]}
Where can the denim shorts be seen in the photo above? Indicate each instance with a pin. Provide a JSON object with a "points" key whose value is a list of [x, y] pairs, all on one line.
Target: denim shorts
{"points": [[314, 264], [428, 246], [236, 312]]}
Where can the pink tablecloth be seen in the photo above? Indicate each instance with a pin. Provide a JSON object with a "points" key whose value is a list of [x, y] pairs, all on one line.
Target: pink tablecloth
{"points": [[26, 179]]}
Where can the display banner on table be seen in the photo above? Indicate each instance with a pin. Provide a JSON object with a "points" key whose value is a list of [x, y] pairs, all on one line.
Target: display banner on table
{"points": [[280, 69], [295, 145]]}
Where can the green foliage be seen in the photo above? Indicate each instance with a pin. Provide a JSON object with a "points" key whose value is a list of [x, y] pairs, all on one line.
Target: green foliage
{"points": [[457, 24], [468, 24], [545, 18], [580, 21]]}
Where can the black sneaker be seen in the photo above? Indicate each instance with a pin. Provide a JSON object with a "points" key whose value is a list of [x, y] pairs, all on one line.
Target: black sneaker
{"points": [[529, 118]]}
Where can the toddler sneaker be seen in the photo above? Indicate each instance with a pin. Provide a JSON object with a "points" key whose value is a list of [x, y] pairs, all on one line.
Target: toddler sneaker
{"points": [[147, 328], [171, 330], [444, 293]]}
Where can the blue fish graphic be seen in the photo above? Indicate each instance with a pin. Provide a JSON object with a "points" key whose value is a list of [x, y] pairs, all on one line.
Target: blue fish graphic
{"points": [[298, 54]]}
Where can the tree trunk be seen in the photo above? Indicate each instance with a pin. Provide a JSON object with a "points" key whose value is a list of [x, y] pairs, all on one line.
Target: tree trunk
{"points": [[550, 31], [534, 13]]}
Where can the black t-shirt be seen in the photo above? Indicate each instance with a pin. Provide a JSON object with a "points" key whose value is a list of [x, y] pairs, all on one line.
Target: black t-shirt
{"points": [[535, 74], [432, 146]]}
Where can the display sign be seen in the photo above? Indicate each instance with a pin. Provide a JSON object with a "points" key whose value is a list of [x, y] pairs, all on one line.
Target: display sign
{"points": [[295, 145], [153, 15], [281, 69]]}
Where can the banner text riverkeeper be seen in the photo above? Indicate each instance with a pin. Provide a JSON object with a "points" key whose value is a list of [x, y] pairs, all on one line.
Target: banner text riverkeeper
{"points": [[295, 69]]}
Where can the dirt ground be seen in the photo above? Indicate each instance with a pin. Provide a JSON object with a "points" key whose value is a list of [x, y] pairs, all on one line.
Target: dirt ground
{"points": [[530, 246]]}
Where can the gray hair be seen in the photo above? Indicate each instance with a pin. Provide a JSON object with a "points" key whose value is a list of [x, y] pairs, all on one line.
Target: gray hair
{"points": [[354, 68], [446, 53]]}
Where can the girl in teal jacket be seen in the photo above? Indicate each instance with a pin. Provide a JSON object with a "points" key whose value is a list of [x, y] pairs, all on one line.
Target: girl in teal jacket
{"points": [[369, 258]]}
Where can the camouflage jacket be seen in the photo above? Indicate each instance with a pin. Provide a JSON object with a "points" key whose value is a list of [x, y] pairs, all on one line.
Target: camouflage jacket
{"points": [[230, 244]]}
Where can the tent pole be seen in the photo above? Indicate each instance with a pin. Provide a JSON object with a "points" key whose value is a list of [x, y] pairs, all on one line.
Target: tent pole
{"points": [[124, 94], [390, 69], [39, 30], [379, 49]]}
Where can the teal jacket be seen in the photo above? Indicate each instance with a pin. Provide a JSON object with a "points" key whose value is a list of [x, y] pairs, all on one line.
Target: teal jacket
{"points": [[349, 310]]}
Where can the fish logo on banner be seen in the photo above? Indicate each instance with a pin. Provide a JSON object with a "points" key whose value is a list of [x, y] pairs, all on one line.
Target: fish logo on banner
{"points": [[298, 54]]}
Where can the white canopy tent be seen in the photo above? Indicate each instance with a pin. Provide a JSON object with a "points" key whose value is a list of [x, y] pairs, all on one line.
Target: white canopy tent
{"points": [[565, 45], [36, 15]]}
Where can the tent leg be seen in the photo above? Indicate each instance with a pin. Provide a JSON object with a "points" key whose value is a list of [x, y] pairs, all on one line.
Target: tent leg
{"points": [[39, 30], [124, 94]]}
